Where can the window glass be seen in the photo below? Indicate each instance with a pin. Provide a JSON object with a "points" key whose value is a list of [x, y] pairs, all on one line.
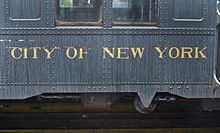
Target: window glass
{"points": [[79, 11], [135, 11]]}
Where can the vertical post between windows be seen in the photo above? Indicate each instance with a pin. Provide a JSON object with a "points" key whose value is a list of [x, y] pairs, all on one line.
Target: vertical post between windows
{"points": [[107, 13]]}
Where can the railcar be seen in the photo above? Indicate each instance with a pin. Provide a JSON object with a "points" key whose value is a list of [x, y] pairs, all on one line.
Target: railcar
{"points": [[97, 48]]}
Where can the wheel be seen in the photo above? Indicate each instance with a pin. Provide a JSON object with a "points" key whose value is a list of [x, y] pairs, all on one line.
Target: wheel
{"points": [[140, 107]]}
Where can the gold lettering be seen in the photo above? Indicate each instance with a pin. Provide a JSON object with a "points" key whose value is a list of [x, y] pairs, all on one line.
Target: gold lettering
{"points": [[137, 51], [187, 51], [74, 53], [200, 52], [110, 53], [171, 52], [160, 51], [25, 53], [35, 52], [81, 53], [48, 52], [13, 53], [123, 53]]}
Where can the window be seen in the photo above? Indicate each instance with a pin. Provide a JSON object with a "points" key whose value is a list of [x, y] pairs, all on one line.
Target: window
{"points": [[135, 12], [79, 12]]}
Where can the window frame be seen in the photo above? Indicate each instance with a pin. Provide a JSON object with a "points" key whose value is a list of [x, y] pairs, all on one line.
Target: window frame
{"points": [[68, 23], [101, 22], [118, 23]]}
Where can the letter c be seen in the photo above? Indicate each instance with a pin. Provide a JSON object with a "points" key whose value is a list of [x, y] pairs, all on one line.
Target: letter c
{"points": [[13, 53]]}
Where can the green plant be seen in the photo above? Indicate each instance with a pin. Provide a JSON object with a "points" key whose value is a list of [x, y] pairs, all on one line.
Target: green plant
{"points": [[66, 3]]}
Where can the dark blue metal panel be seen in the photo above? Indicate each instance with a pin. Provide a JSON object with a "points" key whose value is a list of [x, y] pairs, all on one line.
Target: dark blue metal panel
{"points": [[2, 14], [29, 13], [192, 78], [188, 13], [25, 10], [191, 10], [94, 69], [185, 70]]}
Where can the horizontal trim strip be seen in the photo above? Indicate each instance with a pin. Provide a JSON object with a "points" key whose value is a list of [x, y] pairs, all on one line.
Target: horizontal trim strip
{"points": [[101, 31], [107, 83]]}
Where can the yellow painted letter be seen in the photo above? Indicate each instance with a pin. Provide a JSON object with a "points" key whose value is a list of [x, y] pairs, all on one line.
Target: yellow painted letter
{"points": [[123, 53], [49, 52], [187, 52], [160, 52], [137, 51], [25, 53], [74, 53], [35, 52], [200, 52], [13, 53], [171, 52], [110, 53], [81, 53]]}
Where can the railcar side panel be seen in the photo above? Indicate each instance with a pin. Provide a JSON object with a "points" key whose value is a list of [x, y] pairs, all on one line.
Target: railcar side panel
{"points": [[97, 66], [37, 56]]}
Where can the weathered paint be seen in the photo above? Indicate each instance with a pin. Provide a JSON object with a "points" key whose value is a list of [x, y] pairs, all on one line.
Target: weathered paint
{"points": [[188, 77]]}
